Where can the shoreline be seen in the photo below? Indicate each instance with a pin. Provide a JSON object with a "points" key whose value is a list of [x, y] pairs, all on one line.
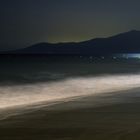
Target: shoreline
{"points": [[98, 118], [25, 109]]}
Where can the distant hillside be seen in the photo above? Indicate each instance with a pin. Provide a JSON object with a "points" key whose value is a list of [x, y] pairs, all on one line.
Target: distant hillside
{"points": [[128, 42]]}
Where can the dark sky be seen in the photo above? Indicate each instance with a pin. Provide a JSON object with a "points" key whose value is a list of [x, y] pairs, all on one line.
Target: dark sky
{"points": [[26, 22]]}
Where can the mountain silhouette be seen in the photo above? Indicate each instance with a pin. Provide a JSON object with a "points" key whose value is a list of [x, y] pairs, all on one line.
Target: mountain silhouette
{"points": [[128, 42]]}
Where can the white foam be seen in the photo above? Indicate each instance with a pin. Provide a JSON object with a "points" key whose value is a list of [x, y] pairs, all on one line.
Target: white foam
{"points": [[11, 96]]}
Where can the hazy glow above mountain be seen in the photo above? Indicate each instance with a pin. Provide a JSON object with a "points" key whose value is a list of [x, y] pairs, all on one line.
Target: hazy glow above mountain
{"points": [[27, 22]]}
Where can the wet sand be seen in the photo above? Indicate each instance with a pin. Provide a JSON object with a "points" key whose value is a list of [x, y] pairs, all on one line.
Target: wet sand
{"points": [[108, 116]]}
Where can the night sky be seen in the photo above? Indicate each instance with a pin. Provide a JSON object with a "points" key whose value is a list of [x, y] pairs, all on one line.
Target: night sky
{"points": [[26, 22]]}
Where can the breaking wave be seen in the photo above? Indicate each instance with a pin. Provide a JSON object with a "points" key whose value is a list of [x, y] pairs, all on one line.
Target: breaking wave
{"points": [[30, 94]]}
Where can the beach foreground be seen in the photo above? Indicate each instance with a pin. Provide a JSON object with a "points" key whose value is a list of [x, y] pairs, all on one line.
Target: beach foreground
{"points": [[110, 116], [75, 99]]}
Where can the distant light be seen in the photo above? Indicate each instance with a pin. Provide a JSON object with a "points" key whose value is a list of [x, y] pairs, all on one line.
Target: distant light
{"points": [[129, 56], [133, 55], [91, 57]]}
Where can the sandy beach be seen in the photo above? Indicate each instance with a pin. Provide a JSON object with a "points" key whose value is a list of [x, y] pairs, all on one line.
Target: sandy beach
{"points": [[111, 116]]}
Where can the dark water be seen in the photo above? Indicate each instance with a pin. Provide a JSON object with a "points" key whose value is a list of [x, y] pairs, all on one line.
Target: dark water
{"points": [[24, 69]]}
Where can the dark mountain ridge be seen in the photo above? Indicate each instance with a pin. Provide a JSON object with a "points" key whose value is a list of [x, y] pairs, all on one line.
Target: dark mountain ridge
{"points": [[128, 42]]}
